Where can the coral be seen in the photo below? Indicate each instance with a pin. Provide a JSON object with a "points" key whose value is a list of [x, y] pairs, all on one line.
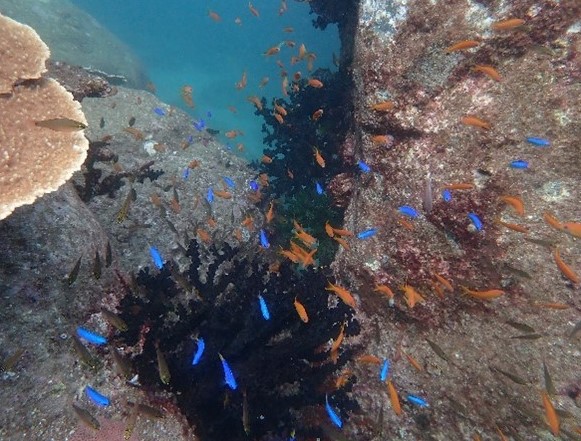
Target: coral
{"points": [[34, 160]]}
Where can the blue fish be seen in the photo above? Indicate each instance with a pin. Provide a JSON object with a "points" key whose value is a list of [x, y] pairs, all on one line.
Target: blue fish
{"points": [[363, 167], [447, 195], [319, 188], [186, 173], [475, 221], [190, 139], [210, 195], [228, 146], [367, 233], [97, 398], [519, 163], [406, 210], [229, 182], [384, 370], [538, 142], [209, 114], [159, 111], [335, 419], [228, 374], [263, 239], [254, 185], [91, 337], [417, 401], [263, 308], [156, 257], [199, 351], [199, 125]]}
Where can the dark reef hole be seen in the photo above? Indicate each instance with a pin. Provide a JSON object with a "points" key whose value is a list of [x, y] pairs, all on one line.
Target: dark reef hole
{"points": [[282, 365]]}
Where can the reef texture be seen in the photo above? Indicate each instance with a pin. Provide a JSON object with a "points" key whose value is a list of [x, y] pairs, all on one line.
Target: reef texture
{"points": [[402, 55]]}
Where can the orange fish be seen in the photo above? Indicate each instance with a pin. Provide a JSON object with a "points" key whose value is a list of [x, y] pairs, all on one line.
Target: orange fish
{"points": [[462, 45], [306, 238], [204, 235], [233, 133], [343, 378], [483, 295], [552, 220], [444, 282], [301, 311], [232, 109], [385, 290], [284, 86], [551, 414], [329, 229], [488, 70], [511, 226], [383, 106], [337, 342], [414, 362], [263, 82], [342, 242], [342, 232], [240, 147], [253, 10], [263, 179], [280, 109], [186, 93], [302, 51], [278, 117], [573, 228], [266, 159], [313, 82], [289, 255], [343, 294], [318, 157], [317, 114], [214, 16], [369, 359], [458, 186], [474, 121], [256, 101], [288, 30], [289, 43], [243, 81], [311, 57], [412, 296], [270, 212], [272, 51], [393, 398], [223, 194], [515, 202], [381, 139], [505, 25], [297, 75], [564, 268]]}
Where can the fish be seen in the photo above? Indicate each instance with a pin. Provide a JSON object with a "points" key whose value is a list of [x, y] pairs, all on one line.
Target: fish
{"points": [[412, 296], [114, 320], [549, 386], [318, 157], [61, 124], [263, 308], [200, 125], [363, 167], [458, 186], [214, 16], [253, 185], [319, 188], [317, 114], [520, 326], [513, 377], [393, 398], [488, 70], [122, 364], [84, 354], [301, 311], [384, 372], [406, 210], [102, 123], [573, 228], [333, 416], [383, 106], [96, 397], [253, 10], [516, 203], [552, 417], [511, 226], [150, 412], [474, 121], [420, 402], [342, 293], [91, 337], [263, 239], [462, 45], [427, 195], [159, 111], [446, 195], [108, 255], [519, 164], [438, 350], [476, 222], [313, 82], [229, 182], [229, 378], [97, 265], [508, 24], [162, 367], [156, 257], [365, 234], [201, 346], [11, 361], [74, 272], [483, 295], [567, 271], [538, 142], [210, 195], [85, 416], [124, 210]]}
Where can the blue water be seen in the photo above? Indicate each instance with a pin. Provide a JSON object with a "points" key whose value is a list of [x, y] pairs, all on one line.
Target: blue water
{"points": [[180, 44]]}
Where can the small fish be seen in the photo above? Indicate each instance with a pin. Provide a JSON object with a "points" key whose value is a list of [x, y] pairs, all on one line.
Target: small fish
{"points": [[406, 210], [102, 123], [549, 386], [384, 372], [131, 422], [366, 233], [156, 257], [186, 173], [301, 311], [229, 182], [228, 374], [159, 111], [319, 188], [61, 124], [210, 195], [97, 398], [519, 163], [84, 354], [122, 364], [11, 361], [417, 401], [438, 350], [254, 185], [199, 125], [131, 121], [515, 378], [114, 320], [264, 240], [162, 367], [199, 351], [150, 412], [552, 417], [263, 308], [447, 195], [475, 221], [520, 326], [124, 210], [91, 337], [74, 272], [363, 167], [108, 255], [97, 265], [334, 417], [86, 417], [427, 195], [538, 142], [528, 336]]}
